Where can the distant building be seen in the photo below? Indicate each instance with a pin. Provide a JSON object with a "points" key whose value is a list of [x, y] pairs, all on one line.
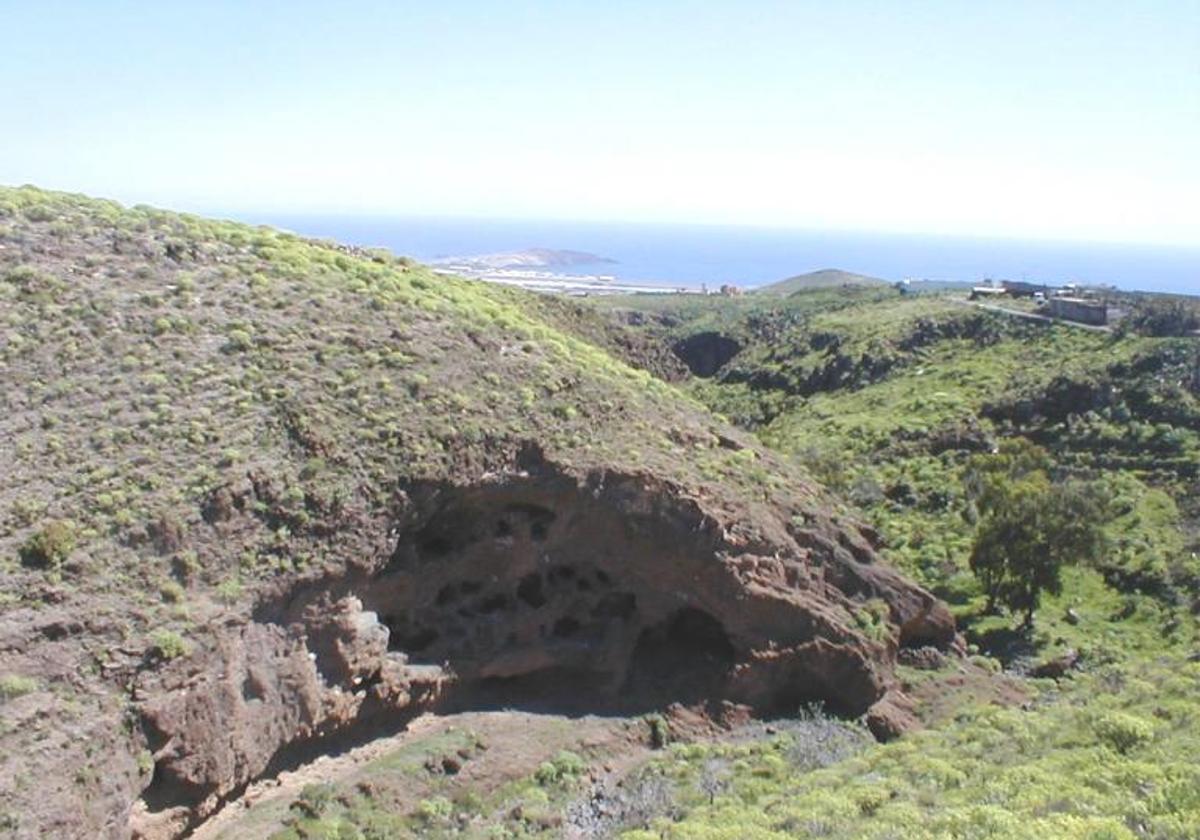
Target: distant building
{"points": [[730, 290], [978, 292], [1019, 288], [1084, 311]]}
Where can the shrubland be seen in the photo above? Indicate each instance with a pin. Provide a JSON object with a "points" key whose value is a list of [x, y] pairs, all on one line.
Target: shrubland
{"points": [[1040, 478], [999, 460]]}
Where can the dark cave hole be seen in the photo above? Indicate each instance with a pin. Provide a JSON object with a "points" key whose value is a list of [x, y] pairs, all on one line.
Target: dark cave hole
{"points": [[560, 573], [566, 626], [419, 640], [559, 689], [493, 603], [620, 605], [252, 688], [436, 546], [529, 590], [687, 657], [404, 637]]}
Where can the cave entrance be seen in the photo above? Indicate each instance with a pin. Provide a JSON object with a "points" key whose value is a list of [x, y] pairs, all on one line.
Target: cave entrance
{"points": [[534, 595], [686, 658], [706, 353], [556, 689]]}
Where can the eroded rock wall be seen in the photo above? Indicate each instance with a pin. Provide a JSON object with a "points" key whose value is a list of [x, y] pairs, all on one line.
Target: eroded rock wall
{"points": [[534, 587]]}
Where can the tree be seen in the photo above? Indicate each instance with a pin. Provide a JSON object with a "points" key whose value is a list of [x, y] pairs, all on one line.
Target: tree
{"points": [[1162, 316], [1030, 527]]}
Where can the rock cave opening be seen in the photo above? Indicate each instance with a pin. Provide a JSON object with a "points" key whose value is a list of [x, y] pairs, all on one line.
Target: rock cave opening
{"points": [[542, 597], [537, 592]]}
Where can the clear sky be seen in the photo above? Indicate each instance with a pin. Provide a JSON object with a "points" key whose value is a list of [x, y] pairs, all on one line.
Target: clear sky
{"points": [[1047, 119]]}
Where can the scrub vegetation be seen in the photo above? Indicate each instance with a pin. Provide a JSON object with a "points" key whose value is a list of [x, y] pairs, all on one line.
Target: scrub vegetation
{"points": [[1040, 479], [1000, 461]]}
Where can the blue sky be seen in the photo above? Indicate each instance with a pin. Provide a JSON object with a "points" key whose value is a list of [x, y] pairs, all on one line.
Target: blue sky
{"points": [[1053, 120]]}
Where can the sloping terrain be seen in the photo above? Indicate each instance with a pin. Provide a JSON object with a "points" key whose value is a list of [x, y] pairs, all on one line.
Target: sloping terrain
{"points": [[268, 497], [826, 278], [899, 402]]}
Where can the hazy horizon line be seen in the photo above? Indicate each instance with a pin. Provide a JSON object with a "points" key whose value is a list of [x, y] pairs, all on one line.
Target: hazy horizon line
{"points": [[781, 227]]}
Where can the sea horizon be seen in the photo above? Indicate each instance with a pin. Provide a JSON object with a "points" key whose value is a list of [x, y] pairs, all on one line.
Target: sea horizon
{"points": [[692, 255]]}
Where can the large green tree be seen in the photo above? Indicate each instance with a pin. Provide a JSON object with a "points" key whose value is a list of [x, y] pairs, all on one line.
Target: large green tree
{"points": [[1030, 527]]}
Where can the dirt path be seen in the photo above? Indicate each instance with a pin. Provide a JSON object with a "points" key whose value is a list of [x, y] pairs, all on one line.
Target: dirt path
{"points": [[288, 784], [517, 742], [1032, 316]]}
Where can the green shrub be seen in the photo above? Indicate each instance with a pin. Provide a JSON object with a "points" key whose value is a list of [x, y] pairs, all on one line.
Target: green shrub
{"points": [[51, 546], [435, 810], [238, 341], [566, 767], [230, 590], [660, 733], [15, 685], [546, 774], [1163, 316], [1122, 731], [872, 619], [312, 468], [167, 644], [39, 213], [314, 800]]}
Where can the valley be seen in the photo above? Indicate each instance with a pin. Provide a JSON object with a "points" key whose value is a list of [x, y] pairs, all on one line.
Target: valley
{"points": [[306, 540]]}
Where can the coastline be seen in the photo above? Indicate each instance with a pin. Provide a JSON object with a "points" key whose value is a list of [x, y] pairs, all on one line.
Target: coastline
{"points": [[568, 284]]}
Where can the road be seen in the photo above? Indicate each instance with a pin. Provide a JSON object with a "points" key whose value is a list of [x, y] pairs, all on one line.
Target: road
{"points": [[1031, 316]]}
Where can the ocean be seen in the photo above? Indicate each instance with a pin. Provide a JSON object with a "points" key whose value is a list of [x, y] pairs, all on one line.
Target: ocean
{"points": [[691, 255]]}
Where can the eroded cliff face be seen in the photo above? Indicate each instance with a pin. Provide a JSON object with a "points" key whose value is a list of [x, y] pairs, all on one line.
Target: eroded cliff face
{"points": [[542, 588]]}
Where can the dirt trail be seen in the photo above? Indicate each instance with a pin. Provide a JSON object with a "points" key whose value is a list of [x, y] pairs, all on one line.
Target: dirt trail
{"points": [[517, 742], [327, 768], [1032, 316]]}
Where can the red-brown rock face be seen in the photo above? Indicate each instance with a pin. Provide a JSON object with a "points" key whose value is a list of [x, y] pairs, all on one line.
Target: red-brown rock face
{"points": [[536, 588]]}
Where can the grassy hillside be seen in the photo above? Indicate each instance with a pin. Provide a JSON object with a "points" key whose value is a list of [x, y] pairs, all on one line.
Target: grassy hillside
{"points": [[156, 363], [892, 400], [197, 412], [826, 278], [1106, 756], [155, 355]]}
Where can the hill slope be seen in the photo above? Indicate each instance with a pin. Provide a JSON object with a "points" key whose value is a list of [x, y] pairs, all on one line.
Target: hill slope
{"points": [[902, 402], [267, 496], [826, 278]]}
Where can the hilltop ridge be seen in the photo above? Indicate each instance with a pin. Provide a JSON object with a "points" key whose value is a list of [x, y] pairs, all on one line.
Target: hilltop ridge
{"points": [[823, 279]]}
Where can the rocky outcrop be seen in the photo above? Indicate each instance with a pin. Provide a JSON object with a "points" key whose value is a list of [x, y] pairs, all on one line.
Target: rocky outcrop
{"points": [[261, 697], [537, 588]]}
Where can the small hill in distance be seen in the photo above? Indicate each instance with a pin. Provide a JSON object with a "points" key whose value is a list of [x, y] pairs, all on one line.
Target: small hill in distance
{"points": [[826, 278]]}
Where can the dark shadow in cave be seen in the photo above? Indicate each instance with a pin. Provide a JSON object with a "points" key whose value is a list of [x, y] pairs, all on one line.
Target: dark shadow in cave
{"points": [[684, 659], [539, 597]]}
